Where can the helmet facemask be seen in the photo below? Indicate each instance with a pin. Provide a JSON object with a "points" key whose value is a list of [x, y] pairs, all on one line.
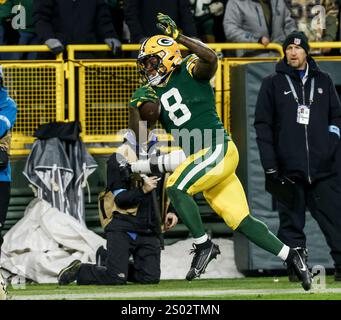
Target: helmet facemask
{"points": [[152, 69]]}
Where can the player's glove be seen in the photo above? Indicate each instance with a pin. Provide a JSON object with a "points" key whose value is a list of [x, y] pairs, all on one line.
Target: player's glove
{"points": [[115, 45], [143, 94], [167, 26]]}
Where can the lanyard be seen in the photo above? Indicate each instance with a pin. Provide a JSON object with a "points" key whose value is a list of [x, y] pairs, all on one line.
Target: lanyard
{"points": [[312, 88]]}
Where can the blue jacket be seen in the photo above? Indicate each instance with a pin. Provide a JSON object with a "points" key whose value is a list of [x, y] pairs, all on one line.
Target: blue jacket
{"points": [[8, 115]]}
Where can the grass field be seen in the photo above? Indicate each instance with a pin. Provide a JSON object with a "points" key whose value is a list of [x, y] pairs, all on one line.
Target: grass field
{"points": [[251, 288]]}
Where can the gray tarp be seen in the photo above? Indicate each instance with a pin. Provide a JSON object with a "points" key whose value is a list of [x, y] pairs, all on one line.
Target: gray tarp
{"points": [[58, 172], [43, 242]]}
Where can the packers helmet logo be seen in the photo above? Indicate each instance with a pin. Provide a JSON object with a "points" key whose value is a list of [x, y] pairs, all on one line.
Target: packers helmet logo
{"points": [[166, 42]]}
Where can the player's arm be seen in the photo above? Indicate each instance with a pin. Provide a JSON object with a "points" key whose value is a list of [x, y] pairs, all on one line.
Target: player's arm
{"points": [[134, 121], [206, 65], [140, 96]]}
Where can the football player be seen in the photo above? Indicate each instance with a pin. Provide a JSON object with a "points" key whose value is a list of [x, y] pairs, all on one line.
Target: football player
{"points": [[182, 85]]}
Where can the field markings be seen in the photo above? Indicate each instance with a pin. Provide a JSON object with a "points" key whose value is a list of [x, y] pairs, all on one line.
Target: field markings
{"points": [[156, 294]]}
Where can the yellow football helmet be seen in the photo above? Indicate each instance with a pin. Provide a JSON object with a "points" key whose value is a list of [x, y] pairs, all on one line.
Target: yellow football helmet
{"points": [[158, 56]]}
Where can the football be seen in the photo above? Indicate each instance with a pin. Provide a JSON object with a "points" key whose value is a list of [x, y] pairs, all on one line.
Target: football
{"points": [[150, 112]]}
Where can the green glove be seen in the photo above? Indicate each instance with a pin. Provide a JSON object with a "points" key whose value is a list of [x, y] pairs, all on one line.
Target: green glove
{"points": [[167, 26], [143, 94]]}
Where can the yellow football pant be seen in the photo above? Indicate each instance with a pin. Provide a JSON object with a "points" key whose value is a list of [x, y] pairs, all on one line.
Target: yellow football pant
{"points": [[212, 171]]}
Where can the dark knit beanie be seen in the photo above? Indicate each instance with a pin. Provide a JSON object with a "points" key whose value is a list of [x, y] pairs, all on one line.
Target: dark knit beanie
{"points": [[299, 39]]}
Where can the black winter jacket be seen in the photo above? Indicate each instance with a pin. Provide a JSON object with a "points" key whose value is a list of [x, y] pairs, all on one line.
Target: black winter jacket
{"points": [[145, 220], [296, 150], [140, 16], [73, 21]]}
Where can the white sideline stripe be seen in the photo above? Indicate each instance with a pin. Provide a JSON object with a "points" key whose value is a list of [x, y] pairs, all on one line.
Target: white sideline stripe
{"points": [[183, 293], [200, 166]]}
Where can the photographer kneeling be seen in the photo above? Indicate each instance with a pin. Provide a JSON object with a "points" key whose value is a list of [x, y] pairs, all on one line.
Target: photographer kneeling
{"points": [[130, 213]]}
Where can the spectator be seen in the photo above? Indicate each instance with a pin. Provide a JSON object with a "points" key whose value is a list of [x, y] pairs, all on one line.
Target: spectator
{"points": [[62, 22], [133, 227], [318, 19], [140, 16], [258, 21], [117, 15], [5, 14], [204, 12], [298, 121], [28, 34], [8, 114]]}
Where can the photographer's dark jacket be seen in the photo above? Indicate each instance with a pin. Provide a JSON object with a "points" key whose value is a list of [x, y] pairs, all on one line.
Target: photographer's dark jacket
{"points": [[130, 195], [304, 151]]}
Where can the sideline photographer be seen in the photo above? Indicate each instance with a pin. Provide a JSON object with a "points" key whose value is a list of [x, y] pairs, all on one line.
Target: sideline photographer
{"points": [[130, 213]]}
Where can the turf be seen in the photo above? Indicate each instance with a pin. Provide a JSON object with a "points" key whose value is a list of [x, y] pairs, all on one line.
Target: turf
{"points": [[261, 288]]}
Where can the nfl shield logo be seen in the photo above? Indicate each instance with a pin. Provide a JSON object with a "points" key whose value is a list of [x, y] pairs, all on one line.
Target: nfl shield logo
{"points": [[297, 41], [320, 90]]}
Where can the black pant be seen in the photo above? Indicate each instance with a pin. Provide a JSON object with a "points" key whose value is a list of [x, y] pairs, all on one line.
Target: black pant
{"points": [[146, 267], [5, 188], [323, 200], [338, 161]]}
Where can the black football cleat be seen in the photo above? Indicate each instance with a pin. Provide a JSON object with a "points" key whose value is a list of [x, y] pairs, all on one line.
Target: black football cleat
{"points": [[303, 252], [69, 273], [201, 259], [297, 263]]}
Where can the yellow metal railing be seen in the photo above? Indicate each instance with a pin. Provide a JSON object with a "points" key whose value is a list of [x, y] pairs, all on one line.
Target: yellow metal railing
{"points": [[102, 89], [38, 90], [29, 48]]}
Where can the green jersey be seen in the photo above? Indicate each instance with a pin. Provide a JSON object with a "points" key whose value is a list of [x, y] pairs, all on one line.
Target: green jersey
{"points": [[188, 104]]}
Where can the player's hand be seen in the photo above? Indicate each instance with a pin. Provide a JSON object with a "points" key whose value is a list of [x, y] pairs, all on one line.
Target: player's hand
{"points": [[167, 26], [143, 94], [170, 221], [149, 183]]}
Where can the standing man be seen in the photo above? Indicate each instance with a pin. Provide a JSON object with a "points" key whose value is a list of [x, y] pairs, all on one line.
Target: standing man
{"points": [[140, 16], [62, 22], [298, 121], [188, 113], [8, 114], [258, 21]]}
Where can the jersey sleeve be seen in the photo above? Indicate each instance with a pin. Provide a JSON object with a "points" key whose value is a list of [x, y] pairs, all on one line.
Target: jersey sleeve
{"points": [[190, 62]]}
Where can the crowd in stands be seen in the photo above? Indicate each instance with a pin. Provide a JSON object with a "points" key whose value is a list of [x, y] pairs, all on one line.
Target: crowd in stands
{"points": [[61, 22]]}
